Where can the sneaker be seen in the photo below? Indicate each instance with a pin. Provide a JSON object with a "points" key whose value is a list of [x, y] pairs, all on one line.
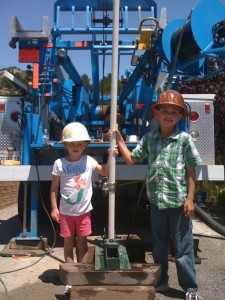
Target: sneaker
{"points": [[162, 288], [193, 296], [67, 289]]}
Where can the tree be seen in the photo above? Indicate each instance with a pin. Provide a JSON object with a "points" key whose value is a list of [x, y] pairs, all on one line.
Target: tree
{"points": [[105, 85], [87, 81], [214, 85]]}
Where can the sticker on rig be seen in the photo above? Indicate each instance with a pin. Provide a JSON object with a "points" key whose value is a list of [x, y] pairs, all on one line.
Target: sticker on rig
{"points": [[29, 55], [2, 107]]}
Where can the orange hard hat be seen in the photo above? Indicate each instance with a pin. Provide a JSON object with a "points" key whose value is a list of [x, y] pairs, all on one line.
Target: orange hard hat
{"points": [[171, 97]]}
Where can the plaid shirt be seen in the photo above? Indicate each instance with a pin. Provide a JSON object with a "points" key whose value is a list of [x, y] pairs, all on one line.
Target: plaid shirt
{"points": [[167, 161]]}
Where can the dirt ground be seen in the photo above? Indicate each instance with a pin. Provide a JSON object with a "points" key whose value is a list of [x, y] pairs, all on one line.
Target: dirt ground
{"points": [[8, 193]]}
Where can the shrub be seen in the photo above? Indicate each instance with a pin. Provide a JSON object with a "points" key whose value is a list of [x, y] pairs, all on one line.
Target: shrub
{"points": [[221, 199]]}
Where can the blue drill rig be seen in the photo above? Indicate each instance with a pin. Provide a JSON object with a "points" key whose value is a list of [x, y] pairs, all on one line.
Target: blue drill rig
{"points": [[57, 94]]}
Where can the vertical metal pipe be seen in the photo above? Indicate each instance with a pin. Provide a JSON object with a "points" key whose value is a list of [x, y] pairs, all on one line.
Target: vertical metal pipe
{"points": [[114, 84], [87, 17], [34, 210], [24, 234], [73, 16]]}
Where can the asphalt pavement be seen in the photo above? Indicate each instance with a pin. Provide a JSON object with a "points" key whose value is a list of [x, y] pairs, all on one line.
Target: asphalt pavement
{"points": [[33, 278]]}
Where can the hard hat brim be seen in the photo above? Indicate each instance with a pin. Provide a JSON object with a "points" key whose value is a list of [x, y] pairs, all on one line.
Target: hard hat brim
{"points": [[184, 112], [73, 140]]}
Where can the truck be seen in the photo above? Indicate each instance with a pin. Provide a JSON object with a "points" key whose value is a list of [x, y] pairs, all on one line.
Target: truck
{"points": [[162, 55]]}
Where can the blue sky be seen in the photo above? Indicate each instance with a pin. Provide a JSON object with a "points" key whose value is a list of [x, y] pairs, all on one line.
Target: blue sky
{"points": [[30, 12]]}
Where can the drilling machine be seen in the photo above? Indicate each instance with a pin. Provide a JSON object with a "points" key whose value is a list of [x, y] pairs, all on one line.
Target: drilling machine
{"points": [[57, 95]]}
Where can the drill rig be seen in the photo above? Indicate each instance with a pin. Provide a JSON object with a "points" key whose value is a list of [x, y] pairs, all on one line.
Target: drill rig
{"points": [[57, 94]]}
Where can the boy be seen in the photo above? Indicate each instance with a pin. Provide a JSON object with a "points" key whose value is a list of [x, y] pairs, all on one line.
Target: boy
{"points": [[73, 174], [172, 157]]}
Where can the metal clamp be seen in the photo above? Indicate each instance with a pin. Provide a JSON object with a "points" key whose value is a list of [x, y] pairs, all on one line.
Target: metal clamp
{"points": [[112, 187]]}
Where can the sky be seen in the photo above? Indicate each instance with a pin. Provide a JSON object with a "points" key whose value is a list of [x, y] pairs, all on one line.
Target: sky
{"points": [[30, 13]]}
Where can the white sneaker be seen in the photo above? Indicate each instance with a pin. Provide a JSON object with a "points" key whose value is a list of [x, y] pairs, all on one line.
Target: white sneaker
{"points": [[67, 289], [162, 288], [193, 296]]}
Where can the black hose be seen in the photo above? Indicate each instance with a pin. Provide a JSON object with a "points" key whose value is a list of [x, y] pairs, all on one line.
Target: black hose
{"points": [[175, 59], [208, 220]]}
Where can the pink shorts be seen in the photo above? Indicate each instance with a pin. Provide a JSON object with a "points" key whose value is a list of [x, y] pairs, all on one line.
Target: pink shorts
{"points": [[75, 225]]}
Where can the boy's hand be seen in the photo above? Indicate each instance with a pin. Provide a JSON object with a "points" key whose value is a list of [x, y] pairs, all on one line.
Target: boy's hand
{"points": [[188, 207], [118, 135]]}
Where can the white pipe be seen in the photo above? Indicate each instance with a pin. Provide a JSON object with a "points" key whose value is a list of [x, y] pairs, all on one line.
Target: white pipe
{"points": [[113, 114]]}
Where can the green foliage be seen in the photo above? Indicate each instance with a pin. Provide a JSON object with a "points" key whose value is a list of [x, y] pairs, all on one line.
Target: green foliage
{"points": [[214, 85], [212, 192], [105, 85], [7, 87], [215, 193], [87, 81], [221, 199]]}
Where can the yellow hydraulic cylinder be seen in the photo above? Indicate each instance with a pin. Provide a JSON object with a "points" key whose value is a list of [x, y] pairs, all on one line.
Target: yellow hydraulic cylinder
{"points": [[144, 41]]}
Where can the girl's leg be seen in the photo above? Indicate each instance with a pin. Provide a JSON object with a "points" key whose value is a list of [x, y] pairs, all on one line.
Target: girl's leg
{"points": [[68, 249], [82, 249], [67, 231], [76, 250], [83, 229]]}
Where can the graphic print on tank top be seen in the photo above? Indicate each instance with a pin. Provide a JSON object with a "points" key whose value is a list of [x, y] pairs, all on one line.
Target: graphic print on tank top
{"points": [[80, 184]]}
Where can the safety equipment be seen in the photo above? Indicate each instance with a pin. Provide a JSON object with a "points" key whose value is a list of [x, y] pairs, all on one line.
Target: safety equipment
{"points": [[171, 97], [74, 132]]}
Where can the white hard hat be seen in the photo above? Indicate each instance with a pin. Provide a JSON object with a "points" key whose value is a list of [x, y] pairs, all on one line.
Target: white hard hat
{"points": [[74, 132]]}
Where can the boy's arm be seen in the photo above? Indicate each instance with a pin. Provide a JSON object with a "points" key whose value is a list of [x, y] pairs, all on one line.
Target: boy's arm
{"points": [[129, 159], [54, 196], [104, 170], [189, 203]]}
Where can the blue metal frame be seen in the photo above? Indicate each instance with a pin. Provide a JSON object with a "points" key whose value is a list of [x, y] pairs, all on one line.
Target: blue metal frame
{"points": [[60, 86]]}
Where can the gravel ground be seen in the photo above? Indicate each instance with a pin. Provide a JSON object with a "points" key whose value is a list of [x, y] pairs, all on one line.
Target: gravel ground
{"points": [[35, 278]]}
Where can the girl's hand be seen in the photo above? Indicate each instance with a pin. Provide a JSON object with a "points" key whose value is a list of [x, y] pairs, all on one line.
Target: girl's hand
{"points": [[55, 215], [115, 151]]}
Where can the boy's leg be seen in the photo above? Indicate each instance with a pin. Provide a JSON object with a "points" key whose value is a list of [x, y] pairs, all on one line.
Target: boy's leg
{"points": [[160, 238], [181, 230], [68, 249], [82, 249]]}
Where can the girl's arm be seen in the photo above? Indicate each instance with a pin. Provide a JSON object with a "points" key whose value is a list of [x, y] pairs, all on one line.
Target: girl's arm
{"points": [[104, 170]]}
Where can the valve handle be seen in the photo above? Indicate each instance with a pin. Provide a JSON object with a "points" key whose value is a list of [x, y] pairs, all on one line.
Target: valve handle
{"points": [[156, 24]]}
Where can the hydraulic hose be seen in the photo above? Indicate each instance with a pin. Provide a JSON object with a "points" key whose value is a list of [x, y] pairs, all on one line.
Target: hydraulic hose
{"points": [[208, 220]]}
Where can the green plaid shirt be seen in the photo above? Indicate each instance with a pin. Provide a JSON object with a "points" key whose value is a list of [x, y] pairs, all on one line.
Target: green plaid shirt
{"points": [[167, 161]]}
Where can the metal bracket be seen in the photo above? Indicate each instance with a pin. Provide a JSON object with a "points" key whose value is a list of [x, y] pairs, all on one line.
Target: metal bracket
{"points": [[112, 186], [17, 32], [111, 255]]}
